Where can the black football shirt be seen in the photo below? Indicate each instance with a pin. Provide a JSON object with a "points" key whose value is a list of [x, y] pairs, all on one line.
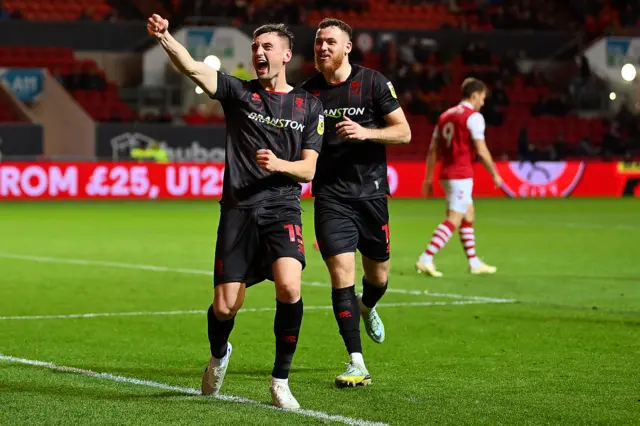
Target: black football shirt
{"points": [[353, 169], [285, 123]]}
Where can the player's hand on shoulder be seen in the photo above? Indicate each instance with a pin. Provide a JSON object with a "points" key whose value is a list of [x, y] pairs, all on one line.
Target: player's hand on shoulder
{"points": [[267, 160], [350, 130], [157, 26], [427, 188]]}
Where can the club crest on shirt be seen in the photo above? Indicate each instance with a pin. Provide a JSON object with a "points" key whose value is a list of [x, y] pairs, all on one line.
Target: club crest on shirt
{"points": [[321, 124], [392, 90], [355, 88]]}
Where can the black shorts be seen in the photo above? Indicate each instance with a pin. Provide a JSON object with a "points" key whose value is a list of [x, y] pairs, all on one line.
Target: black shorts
{"points": [[250, 240], [344, 226]]}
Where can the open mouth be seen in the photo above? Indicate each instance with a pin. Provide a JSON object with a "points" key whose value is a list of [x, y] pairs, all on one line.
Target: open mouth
{"points": [[325, 57], [262, 66]]}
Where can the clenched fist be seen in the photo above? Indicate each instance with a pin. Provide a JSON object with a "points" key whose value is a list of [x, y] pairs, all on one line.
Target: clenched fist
{"points": [[268, 161], [157, 26], [350, 130]]}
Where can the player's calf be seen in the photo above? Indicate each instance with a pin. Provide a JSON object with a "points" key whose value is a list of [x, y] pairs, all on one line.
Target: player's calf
{"points": [[374, 286], [468, 240], [439, 239], [286, 328], [346, 309], [218, 332], [227, 300]]}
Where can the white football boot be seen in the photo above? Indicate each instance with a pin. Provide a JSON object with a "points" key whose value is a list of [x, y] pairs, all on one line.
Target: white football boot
{"points": [[483, 268], [372, 322], [428, 269], [281, 395], [214, 373]]}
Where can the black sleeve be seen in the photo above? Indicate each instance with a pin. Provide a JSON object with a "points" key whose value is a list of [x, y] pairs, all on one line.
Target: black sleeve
{"points": [[229, 87], [314, 129], [385, 98]]}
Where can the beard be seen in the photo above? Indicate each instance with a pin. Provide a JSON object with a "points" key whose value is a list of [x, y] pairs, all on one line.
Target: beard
{"points": [[331, 66]]}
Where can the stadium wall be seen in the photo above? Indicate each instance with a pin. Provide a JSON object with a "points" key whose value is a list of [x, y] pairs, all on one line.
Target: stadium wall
{"points": [[128, 180], [68, 130]]}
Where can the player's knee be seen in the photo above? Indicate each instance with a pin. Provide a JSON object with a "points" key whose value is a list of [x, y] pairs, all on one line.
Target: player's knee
{"points": [[381, 274], [470, 214], [342, 270], [287, 274], [376, 273], [455, 218], [288, 292], [224, 311]]}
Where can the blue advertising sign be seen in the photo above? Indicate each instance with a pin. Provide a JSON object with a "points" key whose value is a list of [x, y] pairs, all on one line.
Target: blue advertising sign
{"points": [[26, 84]]}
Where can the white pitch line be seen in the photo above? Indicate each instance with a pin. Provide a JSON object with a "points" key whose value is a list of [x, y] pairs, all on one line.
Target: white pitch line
{"points": [[188, 391], [478, 298], [201, 312], [122, 265], [99, 314], [425, 293], [154, 268]]}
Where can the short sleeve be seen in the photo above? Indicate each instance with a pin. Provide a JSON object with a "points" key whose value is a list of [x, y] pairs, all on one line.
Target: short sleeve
{"points": [[476, 125], [384, 95], [229, 87], [314, 129]]}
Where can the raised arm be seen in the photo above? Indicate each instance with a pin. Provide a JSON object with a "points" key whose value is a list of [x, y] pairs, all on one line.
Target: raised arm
{"points": [[200, 73]]}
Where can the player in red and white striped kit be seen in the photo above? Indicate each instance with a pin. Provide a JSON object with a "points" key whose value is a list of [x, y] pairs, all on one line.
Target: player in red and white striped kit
{"points": [[458, 135]]}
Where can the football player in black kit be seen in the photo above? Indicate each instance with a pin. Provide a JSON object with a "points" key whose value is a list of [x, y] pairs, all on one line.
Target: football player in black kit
{"points": [[274, 135], [362, 115]]}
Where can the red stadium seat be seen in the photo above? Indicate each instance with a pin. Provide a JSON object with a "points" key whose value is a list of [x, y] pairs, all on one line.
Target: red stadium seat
{"points": [[58, 10]]}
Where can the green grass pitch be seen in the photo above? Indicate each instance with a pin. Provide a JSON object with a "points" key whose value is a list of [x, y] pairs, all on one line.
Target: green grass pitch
{"points": [[563, 348]]}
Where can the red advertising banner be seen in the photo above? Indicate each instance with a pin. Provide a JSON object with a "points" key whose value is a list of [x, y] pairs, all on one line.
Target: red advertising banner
{"points": [[168, 181]]}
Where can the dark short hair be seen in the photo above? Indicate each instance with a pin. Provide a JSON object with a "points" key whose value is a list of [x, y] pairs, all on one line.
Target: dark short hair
{"points": [[280, 29], [333, 22], [471, 86]]}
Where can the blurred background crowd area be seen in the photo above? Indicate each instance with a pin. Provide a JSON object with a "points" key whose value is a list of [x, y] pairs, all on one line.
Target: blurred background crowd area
{"points": [[548, 100], [591, 16]]}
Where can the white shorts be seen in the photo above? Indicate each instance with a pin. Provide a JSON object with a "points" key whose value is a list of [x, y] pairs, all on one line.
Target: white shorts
{"points": [[458, 192]]}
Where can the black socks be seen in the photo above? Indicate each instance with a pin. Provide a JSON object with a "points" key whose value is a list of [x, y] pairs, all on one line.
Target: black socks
{"points": [[286, 327], [347, 312], [371, 294], [219, 332]]}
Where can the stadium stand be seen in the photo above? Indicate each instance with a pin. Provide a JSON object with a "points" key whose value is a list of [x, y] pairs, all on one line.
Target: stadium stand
{"points": [[6, 113], [426, 86], [84, 80], [58, 10], [523, 107]]}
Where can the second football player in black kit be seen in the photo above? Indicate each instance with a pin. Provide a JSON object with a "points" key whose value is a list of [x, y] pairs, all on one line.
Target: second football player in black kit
{"points": [[362, 114], [274, 135]]}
